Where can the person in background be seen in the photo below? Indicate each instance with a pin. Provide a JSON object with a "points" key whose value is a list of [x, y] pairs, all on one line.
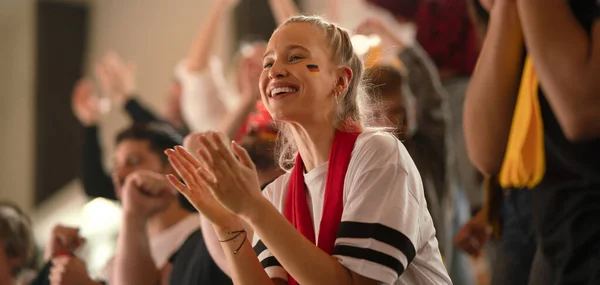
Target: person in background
{"points": [[531, 110], [208, 99], [17, 246], [117, 81], [506, 214], [139, 178], [447, 34], [426, 130]]}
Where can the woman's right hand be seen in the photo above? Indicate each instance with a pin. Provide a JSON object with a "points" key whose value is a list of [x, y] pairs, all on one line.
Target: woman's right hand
{"points": [[196, 190]]}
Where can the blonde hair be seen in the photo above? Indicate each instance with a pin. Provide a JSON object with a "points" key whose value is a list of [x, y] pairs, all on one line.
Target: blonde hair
{"points": [[355, 104]]}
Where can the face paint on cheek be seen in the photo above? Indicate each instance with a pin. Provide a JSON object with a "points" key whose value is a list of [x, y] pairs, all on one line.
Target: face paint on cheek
{"points": [[313, 69]]}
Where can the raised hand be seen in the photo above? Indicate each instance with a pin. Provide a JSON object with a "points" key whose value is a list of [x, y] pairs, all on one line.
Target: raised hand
{"points": [[116, 78], [391, 39], [64, 240], [86, 106], [248, 78], [67, 270], [145, 193], [196, 188]]}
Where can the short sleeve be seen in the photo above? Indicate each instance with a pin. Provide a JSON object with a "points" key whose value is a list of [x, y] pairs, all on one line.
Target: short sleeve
{"points": [[380, 227], [204, 100], [272, 267]]}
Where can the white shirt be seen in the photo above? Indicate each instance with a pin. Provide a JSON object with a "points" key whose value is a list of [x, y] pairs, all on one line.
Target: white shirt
{"points": [[386, 232], [163, 245], [205, 96]]}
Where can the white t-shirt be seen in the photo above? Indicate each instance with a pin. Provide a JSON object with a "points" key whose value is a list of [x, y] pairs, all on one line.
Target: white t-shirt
{"points": [[386, 232], [205, 96], [163, 245]]}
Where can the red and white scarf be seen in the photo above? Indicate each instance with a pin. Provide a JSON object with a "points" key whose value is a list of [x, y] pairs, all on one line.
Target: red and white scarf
{"points": [[296, 205]]}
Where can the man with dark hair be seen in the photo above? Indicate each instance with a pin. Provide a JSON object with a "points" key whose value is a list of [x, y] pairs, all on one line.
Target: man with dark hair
{"points": [[190, 264], [162, 224], [16, 243]]}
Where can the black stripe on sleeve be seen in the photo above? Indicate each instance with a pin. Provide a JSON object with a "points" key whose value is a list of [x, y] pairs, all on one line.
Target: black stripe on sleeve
{"points": [[370, 255], [259, 247], [269, 262], [380, 233]]}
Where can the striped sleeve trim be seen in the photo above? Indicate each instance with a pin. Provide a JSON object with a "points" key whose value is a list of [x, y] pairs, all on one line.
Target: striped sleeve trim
{"points": [[259, 247], [370, 255], [270, 262], [398, 258], [264, 256]]}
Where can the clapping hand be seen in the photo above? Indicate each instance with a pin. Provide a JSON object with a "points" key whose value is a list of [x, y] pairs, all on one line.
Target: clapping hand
{"points": [[224, 185]]}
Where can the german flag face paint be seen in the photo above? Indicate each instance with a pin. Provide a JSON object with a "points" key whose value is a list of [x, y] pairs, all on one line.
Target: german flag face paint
{"points": [[313, 69]]}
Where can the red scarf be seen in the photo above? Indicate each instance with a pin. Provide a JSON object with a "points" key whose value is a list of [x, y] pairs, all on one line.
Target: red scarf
{"points": [[296, 206]]}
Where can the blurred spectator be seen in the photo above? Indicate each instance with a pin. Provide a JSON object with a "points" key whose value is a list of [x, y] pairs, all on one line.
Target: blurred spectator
{"points": [[531, 119], [446, 32], [16, 244], [140, 167], [208, 98]]}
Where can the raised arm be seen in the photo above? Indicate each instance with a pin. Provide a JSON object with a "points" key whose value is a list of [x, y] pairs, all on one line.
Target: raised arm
{"points": [[86, 107], [492, 92], [133, 261], [283, 10], [567, 61], [201, 50], [249, 94], [118, 81]]}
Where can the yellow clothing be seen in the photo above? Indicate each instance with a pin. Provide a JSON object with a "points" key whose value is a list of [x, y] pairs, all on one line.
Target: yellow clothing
{"points": [[524, 163]]}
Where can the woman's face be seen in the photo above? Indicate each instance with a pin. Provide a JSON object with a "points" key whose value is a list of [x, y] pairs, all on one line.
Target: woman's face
{"points": [[298, 75]]}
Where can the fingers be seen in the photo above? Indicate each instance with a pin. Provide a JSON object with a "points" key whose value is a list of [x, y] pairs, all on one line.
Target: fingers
{"points": [[185, 169], [224, 149], [66, 236], [242, 155], [188, 157], [102, 75], [56, 271], [222, 159], [207, 179], [468, 240], [177, 184]]}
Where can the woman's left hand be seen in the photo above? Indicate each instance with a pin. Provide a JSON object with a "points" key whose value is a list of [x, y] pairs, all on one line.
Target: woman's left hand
{"points": [[236, 185]]}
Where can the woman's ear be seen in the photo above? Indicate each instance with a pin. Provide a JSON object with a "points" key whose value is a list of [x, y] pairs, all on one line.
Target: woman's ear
{"points": [[344, 78]]}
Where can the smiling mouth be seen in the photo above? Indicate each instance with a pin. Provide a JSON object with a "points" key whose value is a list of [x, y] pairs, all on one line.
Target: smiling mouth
{"points": [[279, 91]]}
